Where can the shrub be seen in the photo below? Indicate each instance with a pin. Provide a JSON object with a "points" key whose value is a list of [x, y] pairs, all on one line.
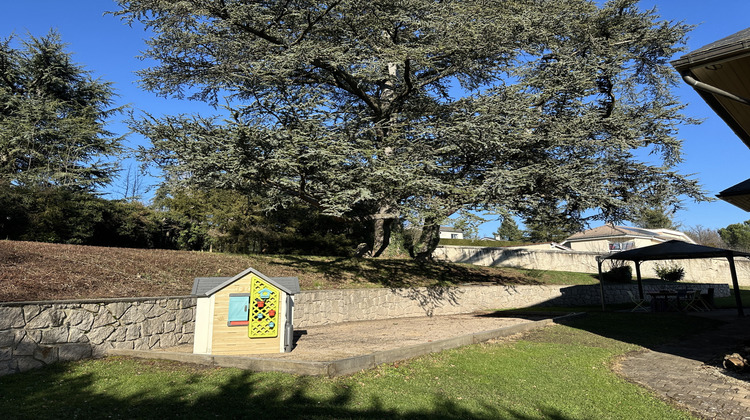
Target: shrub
{"points": [[618, 274], [669, 272]]}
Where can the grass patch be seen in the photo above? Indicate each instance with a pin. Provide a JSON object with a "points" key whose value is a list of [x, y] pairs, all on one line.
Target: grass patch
{"points": [[560, 372]]}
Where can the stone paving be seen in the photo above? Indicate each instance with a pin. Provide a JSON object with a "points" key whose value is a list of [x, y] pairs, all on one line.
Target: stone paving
{"points": [[683, 373]]}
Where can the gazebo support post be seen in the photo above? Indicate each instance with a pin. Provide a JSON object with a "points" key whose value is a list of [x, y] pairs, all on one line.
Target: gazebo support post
{"points": [[736, 285], [638, 277], [601, 280]]}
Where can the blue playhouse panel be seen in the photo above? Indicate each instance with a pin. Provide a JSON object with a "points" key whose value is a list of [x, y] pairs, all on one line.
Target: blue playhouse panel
{"points": [[238, 309]]}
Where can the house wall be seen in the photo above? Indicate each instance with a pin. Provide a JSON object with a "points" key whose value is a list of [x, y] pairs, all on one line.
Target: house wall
{"points": [[234, 340], [705, 270], [602, 245]]}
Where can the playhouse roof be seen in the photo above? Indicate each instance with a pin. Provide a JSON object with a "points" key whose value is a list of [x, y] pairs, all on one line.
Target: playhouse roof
{"points": [[207, 286]]}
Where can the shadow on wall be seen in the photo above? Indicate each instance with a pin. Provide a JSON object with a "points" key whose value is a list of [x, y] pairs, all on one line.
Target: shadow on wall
{"points": [[430, 298]]}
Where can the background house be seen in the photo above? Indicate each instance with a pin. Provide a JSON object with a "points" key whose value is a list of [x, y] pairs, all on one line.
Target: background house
{"points": [[611, 238]]}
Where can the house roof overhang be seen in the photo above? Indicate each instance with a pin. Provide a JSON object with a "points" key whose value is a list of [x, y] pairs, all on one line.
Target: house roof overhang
{"points": [[719, 73], [738, 195]]}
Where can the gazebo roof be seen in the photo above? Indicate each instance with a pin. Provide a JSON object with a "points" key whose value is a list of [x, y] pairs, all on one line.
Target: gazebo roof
{"points": [[674, 250]]}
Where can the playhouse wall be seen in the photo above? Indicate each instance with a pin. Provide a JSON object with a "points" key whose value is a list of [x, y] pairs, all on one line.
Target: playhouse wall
{"points": [[203, 325], [234, 340]]}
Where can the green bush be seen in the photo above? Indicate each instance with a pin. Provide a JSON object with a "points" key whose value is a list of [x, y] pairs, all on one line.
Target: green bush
{"points": [[621, 274], [669, 272]]}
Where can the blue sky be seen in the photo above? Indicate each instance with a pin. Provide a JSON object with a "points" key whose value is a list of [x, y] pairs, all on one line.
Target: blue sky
{"points": [[108, 48]]}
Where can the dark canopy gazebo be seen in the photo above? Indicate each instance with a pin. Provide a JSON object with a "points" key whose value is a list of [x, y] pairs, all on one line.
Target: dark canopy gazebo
{"points": [[675, 250]]}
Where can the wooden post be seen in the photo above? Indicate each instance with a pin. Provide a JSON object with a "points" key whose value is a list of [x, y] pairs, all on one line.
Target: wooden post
{"points": [[736, 285]]}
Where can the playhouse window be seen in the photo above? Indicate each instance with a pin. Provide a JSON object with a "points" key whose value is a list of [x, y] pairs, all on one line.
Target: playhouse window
{"points": [[238, 309]]}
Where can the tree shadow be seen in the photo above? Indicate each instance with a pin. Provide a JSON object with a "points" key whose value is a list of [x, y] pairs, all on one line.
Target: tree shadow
{"points": [[699, 338], [54, 392], [395, 273]]}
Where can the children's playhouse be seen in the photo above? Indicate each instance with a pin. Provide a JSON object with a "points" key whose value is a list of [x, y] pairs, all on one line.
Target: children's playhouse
{"points": [[245, 314]]}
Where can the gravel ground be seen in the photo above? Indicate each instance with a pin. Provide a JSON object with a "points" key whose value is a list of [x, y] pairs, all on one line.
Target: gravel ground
{"points": [[339, 341]]}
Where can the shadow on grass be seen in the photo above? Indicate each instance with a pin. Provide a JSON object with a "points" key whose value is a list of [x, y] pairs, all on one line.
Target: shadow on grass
{"points": [[157, 391]]}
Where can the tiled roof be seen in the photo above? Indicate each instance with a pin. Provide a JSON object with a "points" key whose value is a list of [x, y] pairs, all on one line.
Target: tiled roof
{"points": [[611, 231]]}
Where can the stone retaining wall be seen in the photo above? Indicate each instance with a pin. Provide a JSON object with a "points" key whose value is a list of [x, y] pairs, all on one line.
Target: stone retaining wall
{"points": [[34, 334], [322, 307], [705, 270]]}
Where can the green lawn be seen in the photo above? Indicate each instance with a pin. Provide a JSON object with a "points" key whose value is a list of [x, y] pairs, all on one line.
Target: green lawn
{"points": [[560, 372]]}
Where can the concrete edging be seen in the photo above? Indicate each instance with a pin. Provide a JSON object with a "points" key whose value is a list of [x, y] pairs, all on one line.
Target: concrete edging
{"points": [[339, 367]]}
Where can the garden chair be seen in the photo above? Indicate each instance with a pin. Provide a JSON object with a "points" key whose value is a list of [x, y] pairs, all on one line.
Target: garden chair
{"points": [[695, 302], [640, 304]]}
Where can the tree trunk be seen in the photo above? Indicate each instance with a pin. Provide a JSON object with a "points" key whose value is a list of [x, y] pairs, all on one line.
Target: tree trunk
{"points": [[428, 240], [382, 233]]}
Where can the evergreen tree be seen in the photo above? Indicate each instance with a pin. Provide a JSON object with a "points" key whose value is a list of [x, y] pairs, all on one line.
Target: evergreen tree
{"points": [[52, 118], [419, 109], [737, 235], [657, 217], [508, 230]]}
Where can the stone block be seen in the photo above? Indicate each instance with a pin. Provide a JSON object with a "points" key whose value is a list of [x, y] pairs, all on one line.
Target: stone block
{"points": [[100, 350], [152, 326], [188, 328], [7, 338], [132, 332], [6, 353], [141, 343], [133, 315], [169, 327], [54, 336], [81, 319], [92, 307], [7, 368], [185, 315], [156, 311], [77, 351], [153, 342], [30, 311], [100, 334], [77, 335], [11, 317], [118, 335], [25, 347], [117, 309], [46, 354], [102, 318], [35, 335], [123, 345], [27, 363], [168, 340]]}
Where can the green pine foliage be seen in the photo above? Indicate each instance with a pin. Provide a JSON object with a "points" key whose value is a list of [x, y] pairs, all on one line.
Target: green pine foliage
{"points": [[415, 110], [53, 117], [737, 235]]}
